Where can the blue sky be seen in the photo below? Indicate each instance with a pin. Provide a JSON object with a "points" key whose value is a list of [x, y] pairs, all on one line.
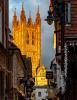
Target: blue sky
{"points": [[47, 50]]}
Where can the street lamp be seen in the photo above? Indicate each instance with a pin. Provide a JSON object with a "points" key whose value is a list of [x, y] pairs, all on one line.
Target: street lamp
{"points": [[50, 16], [49, 19], [56, 9]]}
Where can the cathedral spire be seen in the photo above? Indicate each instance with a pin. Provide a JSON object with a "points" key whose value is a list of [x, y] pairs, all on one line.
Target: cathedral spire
{"points": [[23, 5], [15, 12], [30, 14], [38, 19], [38, 10], [38, 14], [22, 15], [14, 17], [30, 19], [22, 10]]}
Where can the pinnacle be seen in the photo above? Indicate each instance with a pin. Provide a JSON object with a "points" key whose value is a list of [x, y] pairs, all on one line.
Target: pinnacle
{"points": [[15, 12], [29, 14]]}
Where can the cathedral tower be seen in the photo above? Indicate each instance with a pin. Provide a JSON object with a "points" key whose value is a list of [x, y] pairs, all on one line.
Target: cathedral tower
{"points": [[27, 36]]}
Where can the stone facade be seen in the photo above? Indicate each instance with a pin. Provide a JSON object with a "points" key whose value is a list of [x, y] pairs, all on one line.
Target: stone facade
{"points": [[27, 37], [40, 79], [41, 93], [18, 73]]}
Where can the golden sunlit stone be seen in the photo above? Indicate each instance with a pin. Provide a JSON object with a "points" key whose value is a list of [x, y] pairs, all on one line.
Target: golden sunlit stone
{"points": [[27, 36], [40, 79], [54, 40]]}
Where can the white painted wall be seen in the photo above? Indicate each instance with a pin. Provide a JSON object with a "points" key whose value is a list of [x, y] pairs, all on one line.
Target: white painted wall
{"points": [[59, 77], [44, 93]]}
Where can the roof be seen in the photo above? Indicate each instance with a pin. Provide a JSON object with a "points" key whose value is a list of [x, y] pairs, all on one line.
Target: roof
{"points": [[13, 47]]}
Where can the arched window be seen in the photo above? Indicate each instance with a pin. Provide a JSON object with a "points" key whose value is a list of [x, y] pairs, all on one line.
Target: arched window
{"points": [[32, 38], [27, 38]]}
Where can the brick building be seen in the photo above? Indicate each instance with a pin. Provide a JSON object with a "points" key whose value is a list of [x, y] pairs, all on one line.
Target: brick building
{"points": [[70, 49], [66, 20], [68, 54]]}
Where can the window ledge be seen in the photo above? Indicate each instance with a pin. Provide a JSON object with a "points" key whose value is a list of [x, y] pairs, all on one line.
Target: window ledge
{"points": [[68, 25]]}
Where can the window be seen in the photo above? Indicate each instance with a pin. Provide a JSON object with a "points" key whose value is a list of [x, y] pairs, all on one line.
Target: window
{"points": [[68, 13], [27, 41], [27, 38], [32, 42], [39, 94], [32, 38]]}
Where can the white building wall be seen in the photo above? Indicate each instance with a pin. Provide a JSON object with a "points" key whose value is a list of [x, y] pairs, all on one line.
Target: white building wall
{"points": [[65, 59], [58, 76], [62, 82], [60, 79], [43, 91]]}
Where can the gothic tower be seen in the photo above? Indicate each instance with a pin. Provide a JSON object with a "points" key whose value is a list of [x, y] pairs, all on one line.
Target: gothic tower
{"points": [[27, 36]]}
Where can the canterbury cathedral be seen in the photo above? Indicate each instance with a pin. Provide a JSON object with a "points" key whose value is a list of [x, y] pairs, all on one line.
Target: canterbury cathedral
{"points": [[27, 37]]}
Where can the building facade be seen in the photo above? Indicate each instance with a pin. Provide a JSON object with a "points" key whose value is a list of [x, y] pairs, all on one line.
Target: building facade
{"points": [[18, 73], [5, 70], [28, 64], [68, 21], [58, 77], [27, 37], [57, 14], [70, 49], [40, 79], [41, 93], [5, 74], [4, 22]]}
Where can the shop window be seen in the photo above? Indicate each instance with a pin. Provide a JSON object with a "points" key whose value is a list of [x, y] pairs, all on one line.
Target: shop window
{"points": [[39, 94]]}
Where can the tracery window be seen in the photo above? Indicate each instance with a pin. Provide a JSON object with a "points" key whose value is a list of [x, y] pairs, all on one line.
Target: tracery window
{"points": [[32, 38], [27, 38]]}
